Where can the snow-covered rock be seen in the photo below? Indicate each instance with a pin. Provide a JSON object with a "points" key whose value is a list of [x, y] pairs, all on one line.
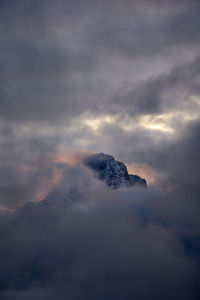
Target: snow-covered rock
{"points": [[111, 171], [78, 181]]}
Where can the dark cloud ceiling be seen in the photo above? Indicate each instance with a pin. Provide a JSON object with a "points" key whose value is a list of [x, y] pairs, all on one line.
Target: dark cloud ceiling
{"points": [[115, 76]]}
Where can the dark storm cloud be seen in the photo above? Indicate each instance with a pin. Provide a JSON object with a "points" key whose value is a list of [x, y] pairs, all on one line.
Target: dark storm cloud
{"points": [[53, 59], [17, 150], [142, 35], [177, 163], [109, 244], [181, 160], [53, 54], [161, 94], [63, 59], [101, 251], [35, 79]]}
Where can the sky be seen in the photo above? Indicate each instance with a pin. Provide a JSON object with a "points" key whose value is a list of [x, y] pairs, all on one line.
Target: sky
{"points": [[79, 77]]}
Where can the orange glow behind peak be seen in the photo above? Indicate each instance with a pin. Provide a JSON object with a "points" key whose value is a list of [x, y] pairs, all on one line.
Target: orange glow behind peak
{"points": [[143, 170], [61, 155], [71, 157], [47, 185]]}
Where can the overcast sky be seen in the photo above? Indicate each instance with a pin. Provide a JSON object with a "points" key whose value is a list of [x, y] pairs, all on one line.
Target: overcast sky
{"points": [[85, 76]]}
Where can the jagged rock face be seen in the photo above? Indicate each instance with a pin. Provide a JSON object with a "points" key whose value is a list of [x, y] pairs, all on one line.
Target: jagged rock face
{"points": [[111, 171], [106, 169]]}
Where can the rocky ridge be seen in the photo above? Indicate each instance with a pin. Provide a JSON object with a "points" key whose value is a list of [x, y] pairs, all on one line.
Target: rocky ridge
{"points": [[114, 173]]}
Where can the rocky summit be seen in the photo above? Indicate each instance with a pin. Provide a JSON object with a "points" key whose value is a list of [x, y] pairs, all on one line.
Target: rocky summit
{"points": [[114, 173]]}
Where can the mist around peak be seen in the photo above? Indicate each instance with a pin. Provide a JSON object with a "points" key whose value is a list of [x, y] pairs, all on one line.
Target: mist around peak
{"points": [[112, 172]]}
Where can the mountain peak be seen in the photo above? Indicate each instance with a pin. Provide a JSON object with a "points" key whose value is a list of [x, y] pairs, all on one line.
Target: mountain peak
{"points": [[114, 173]]}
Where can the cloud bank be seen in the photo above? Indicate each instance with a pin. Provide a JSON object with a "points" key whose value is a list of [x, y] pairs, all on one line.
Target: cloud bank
{"points": [[79, 77], [99, 243]]}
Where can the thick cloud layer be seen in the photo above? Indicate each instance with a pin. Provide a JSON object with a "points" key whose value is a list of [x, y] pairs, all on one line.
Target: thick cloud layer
{"points": [[61, 59], [99, 250], [80, 77], [123, 244]]}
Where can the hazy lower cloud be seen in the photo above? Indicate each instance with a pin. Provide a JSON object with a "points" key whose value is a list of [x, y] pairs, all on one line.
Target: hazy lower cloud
{"points": [[80, 77], [105, 243]]}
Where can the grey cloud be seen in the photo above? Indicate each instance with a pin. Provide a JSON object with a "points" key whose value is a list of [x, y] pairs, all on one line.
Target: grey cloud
{"points": [[176, 162], [109, 246], [142, 33], [24, 166], [107, 243], [59, 60], [55, 58], [149, 97]]}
